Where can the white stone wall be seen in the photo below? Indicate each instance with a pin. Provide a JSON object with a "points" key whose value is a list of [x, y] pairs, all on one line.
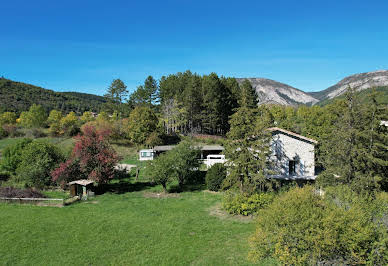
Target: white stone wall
{"points": [[286, 148]]}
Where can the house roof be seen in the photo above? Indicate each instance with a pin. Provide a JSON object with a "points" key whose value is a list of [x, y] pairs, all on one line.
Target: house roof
{"points": [[277, 129], [203, 148], [82, 182]]}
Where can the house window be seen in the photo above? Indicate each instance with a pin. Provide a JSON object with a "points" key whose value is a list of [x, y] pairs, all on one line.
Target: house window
{"points": [[292, 167]]}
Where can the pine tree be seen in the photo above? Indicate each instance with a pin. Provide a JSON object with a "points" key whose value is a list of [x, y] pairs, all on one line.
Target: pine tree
{"points": [[248, 151], [248, 96], [355, 151]]}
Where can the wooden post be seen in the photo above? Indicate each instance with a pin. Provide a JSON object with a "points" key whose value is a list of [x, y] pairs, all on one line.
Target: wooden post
{"points": [[137, 173]]}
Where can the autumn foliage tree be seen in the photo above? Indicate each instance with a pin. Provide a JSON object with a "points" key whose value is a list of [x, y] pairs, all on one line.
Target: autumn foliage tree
{"points": [[92, 158]]}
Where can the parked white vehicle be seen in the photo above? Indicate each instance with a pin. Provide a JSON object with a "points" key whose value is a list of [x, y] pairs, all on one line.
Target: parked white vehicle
{"points": [[146, 154]]}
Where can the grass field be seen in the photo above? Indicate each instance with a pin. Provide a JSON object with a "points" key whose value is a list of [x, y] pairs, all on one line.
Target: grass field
{"points": [[124, 229], [126, 226]]}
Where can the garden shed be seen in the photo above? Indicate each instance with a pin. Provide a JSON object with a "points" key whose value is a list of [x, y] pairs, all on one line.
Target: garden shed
{"points": [[81, 188]]}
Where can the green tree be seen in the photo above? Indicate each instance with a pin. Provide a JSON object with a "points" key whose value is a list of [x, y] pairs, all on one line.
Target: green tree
{"points": [[151, 90], [54, 121], [35, 117], [11, 157], [117, 91], [161, 170], [86, 117], [184, 158], [70, 124], [248, 96], [141, 123], [247, 150], [146, 95], [38, 159], [359, 158], [8, 118]]}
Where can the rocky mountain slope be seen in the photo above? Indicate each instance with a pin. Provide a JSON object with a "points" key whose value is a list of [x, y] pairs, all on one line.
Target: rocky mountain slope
{"points": [[358, 81], [270, 91]]}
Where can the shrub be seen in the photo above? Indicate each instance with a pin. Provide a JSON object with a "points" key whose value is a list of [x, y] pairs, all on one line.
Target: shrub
{"points": [[38, 159], [3, 133], [300, 227], [11, 157], [11, 130], [10, 192], [214, 176], [34, 133], [4, 175], [244, 204]]}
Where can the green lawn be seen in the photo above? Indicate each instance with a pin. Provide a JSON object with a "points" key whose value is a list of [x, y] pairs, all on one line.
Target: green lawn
{"points": [[122, 227], [118, 229]]}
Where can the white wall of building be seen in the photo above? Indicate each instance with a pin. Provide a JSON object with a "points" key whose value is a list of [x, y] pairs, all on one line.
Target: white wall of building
{"points": [[287, 148]]}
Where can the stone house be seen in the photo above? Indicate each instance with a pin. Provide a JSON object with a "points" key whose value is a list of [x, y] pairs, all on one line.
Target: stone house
{"points": [[292, 155]]}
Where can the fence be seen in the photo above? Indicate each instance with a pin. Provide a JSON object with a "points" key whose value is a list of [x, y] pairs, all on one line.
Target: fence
{"points": [[35, 201]]}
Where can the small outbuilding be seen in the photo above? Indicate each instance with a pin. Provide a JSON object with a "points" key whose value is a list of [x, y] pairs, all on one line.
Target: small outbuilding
{"points": [[81, 188]]}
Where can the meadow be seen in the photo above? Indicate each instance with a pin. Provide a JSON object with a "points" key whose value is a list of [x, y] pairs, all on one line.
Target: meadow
{"points": [[130, 224], [124, 229]]}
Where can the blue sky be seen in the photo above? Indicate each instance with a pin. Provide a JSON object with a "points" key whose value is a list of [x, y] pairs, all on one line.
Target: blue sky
{"points": [[83, 45]]}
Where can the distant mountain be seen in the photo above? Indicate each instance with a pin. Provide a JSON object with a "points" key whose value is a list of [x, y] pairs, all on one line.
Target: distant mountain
{"points": [[270, 91], [358, 81], [18, 97]]}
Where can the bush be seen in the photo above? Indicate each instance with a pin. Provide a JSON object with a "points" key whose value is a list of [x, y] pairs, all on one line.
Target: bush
{"points": [[38, 159], [34, 133], [214, 176], [10, 192], [4, 175], [11, 130], [244, 204], [11, 157], [300, 227], [3, 133]]}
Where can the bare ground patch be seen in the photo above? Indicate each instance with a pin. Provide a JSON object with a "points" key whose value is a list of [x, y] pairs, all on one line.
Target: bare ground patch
{"points": [[160, 195], [212, 192], [217, 211]]}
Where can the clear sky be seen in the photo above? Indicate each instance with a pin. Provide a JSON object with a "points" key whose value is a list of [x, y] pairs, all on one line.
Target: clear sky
{"points": [[83, 45]]}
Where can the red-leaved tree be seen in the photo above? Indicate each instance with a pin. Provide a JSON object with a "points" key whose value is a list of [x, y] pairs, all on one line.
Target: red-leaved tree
{"points": [[92, 158]]}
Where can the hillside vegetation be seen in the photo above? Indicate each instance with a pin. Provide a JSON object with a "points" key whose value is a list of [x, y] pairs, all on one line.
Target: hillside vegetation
{"points": [[363, 95], [18, 97]]}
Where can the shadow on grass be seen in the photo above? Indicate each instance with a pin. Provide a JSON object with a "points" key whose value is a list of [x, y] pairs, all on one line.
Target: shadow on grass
{"points": [[187, 187], [196, 183], [123, 186]]}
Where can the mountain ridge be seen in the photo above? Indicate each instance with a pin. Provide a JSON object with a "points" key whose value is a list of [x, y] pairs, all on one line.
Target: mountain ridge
{"points": [[271, 91]]}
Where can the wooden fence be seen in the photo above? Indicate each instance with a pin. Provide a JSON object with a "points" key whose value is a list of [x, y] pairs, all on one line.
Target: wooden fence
{"points": [[35, 201]]}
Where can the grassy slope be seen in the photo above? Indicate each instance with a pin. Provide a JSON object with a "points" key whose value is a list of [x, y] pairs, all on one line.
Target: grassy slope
{"points": [[123, 229]]}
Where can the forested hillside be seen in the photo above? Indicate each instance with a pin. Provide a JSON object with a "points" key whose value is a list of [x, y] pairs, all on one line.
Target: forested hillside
{"points": [[18, 97]]}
